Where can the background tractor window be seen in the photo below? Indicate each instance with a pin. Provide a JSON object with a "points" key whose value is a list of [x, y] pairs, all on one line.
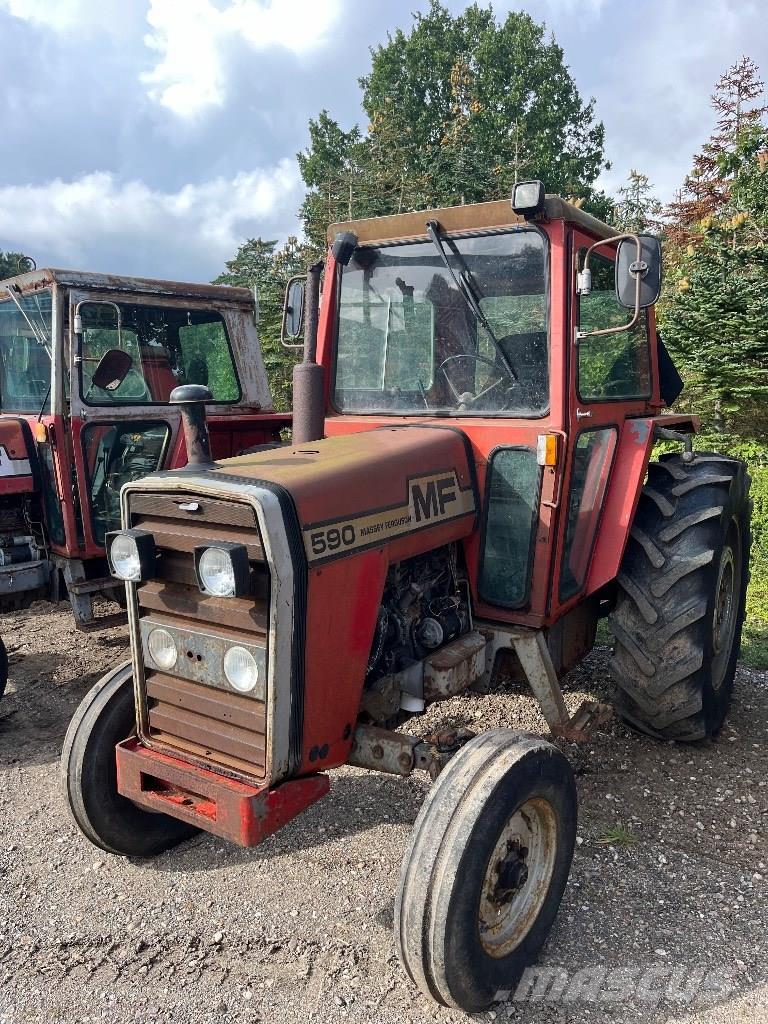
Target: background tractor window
{"points": [[168, 346], [611, 366], [25, 346], [408, 343]]}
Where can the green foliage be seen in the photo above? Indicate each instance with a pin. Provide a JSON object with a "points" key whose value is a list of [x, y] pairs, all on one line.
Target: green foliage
{"points": [[637, 208], [754, 647], [13, 263], [714, 312], [460, 107], [260, 264]]}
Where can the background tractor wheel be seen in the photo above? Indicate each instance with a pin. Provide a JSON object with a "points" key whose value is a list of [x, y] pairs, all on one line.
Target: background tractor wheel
{"points": [[89, 774], [486, 867], [681, 597]]}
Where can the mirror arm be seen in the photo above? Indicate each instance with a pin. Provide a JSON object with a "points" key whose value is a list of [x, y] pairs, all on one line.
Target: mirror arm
{"points": [[638, 281]]}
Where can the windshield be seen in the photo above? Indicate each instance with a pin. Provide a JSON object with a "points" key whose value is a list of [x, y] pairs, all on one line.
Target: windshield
{"points": [[167, 346], [410, 343], [25, 344]]}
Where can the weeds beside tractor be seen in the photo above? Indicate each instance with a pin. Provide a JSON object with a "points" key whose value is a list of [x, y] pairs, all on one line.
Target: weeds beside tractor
{"points": [[469, 475]]}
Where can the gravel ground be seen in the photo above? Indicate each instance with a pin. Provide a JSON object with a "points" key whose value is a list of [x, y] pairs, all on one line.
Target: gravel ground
{"points": [[301, 928]]}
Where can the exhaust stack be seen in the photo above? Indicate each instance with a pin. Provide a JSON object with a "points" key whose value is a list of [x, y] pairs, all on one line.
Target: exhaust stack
{"points": [[192, 399], [308, 391]]}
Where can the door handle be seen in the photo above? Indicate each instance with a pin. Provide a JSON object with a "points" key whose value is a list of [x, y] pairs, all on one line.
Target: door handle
{"points": [[583, 414]]}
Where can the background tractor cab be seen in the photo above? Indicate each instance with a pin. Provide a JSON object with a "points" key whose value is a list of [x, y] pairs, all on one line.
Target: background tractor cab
{"points": [[87, 366]]}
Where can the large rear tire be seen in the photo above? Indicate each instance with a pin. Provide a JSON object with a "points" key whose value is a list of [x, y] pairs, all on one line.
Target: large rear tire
{"points": [[105, 718], [486, 867], [681, 597]]}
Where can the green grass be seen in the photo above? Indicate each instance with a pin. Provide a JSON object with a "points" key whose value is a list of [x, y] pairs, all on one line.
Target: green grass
{"points": [[754, 640], [617, 835]]}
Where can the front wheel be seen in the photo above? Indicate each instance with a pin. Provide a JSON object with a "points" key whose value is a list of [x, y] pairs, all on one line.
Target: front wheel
{"points": [[486, 868], [105, 718]]}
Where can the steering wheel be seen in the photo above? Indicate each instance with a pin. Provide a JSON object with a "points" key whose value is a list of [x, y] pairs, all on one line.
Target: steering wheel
{"points": [[467, 398]]}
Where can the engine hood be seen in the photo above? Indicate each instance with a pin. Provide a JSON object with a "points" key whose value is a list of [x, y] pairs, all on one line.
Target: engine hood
{"points": [[366, 489]]}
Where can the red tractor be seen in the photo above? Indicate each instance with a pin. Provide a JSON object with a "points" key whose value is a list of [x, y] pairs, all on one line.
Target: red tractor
{"points": [[87, 366], [469, 474]]}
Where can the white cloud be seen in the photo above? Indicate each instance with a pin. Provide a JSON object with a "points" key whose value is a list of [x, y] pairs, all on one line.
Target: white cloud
{"points": [[82, 16], [193, 37], [140, 230]]}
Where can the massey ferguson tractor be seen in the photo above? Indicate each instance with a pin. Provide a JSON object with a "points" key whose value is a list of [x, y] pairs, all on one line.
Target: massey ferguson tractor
{"points": [[469, 475], [87, 366]]}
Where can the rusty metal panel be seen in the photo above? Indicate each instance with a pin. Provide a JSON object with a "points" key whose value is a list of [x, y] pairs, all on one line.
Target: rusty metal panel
{"points": [[241, 711], [201, 653], [214, 735], [455, 667], [239, 613], [188, 509], [169, 533], [234, 810]]}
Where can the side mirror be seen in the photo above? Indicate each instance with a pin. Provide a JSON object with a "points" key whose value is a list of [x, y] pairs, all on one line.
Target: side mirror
{"points": [[293, 311], [647, 268], [111, 370]]}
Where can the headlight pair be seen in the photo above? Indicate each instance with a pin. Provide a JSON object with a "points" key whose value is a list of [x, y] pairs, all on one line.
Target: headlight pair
{"points": [[241, 669], [222, 569]]}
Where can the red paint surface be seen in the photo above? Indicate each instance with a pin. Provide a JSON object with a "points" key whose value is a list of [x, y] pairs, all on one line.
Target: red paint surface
{"points": [[234, 810]]}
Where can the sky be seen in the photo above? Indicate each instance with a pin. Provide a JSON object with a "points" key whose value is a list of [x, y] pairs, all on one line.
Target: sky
{"points": [[152, 137]]}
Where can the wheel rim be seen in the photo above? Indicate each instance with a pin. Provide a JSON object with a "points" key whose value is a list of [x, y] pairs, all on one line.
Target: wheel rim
{"points": [[517, 877], [725, 615]]}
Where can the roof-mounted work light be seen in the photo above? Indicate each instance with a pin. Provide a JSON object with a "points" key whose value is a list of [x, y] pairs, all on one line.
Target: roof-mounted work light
{"points": [[528, 198]]}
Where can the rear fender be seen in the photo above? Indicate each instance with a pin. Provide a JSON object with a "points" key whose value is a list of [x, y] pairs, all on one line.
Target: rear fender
{"points": [[630, 467], [19, 466]]}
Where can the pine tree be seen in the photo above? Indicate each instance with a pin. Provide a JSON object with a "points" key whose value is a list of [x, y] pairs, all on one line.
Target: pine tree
{"points": [[637, 209], [715, 310]]}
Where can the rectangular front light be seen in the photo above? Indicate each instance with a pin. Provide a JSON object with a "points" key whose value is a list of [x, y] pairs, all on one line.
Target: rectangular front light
{"points": [[222, 569], [131, 555], [528, 198]]}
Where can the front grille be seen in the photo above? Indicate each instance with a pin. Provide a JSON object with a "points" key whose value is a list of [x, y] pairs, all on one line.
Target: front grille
{"points": [[206, 721]]}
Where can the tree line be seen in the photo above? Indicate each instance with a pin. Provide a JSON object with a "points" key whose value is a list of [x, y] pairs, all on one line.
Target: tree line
{"points": [[460, 107]]}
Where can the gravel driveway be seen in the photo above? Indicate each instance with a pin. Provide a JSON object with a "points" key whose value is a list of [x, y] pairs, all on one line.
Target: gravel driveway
{"points": [[664, 919]]}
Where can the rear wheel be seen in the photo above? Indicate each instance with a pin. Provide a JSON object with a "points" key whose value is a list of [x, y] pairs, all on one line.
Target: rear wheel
{"points": [[105, 718], [486, 867], [681, 597]]}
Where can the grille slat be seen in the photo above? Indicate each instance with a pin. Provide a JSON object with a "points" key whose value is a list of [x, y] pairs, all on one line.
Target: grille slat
{"points": [[235, 612], [213, 736], [204, 700]]}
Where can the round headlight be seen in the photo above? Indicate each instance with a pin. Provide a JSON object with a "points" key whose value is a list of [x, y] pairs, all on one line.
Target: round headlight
{"points": [[241, 669], [124, 555], [217, 574], [162, 647]]}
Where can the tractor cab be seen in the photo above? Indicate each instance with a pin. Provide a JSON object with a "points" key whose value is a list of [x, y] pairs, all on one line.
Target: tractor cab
{"points": [[87, 366]]}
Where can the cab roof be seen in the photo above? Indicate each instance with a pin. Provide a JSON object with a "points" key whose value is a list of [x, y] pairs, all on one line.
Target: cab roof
{"points": [[44, 278], [473, 217]]}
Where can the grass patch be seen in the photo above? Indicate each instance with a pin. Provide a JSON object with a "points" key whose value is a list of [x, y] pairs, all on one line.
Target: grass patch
{"points": [[617, 835], [754, 639]]}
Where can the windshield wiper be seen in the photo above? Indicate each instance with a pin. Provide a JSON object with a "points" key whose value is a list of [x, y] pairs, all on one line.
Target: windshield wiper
{"points": [[464, 285]]}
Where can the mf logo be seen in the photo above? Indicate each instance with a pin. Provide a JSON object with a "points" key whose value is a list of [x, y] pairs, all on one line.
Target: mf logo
{"points": [[430, 499]]}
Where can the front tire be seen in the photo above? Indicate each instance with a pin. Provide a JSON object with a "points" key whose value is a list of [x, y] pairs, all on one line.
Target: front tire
{"points": [[105, 718], [682, 597], [486, 867]]}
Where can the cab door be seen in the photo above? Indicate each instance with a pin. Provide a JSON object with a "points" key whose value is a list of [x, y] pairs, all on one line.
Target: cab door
{"points": [[609, 380]]}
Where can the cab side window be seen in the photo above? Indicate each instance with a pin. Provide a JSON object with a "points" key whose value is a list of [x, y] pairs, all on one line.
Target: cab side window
{"points": [[611, 366]]}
